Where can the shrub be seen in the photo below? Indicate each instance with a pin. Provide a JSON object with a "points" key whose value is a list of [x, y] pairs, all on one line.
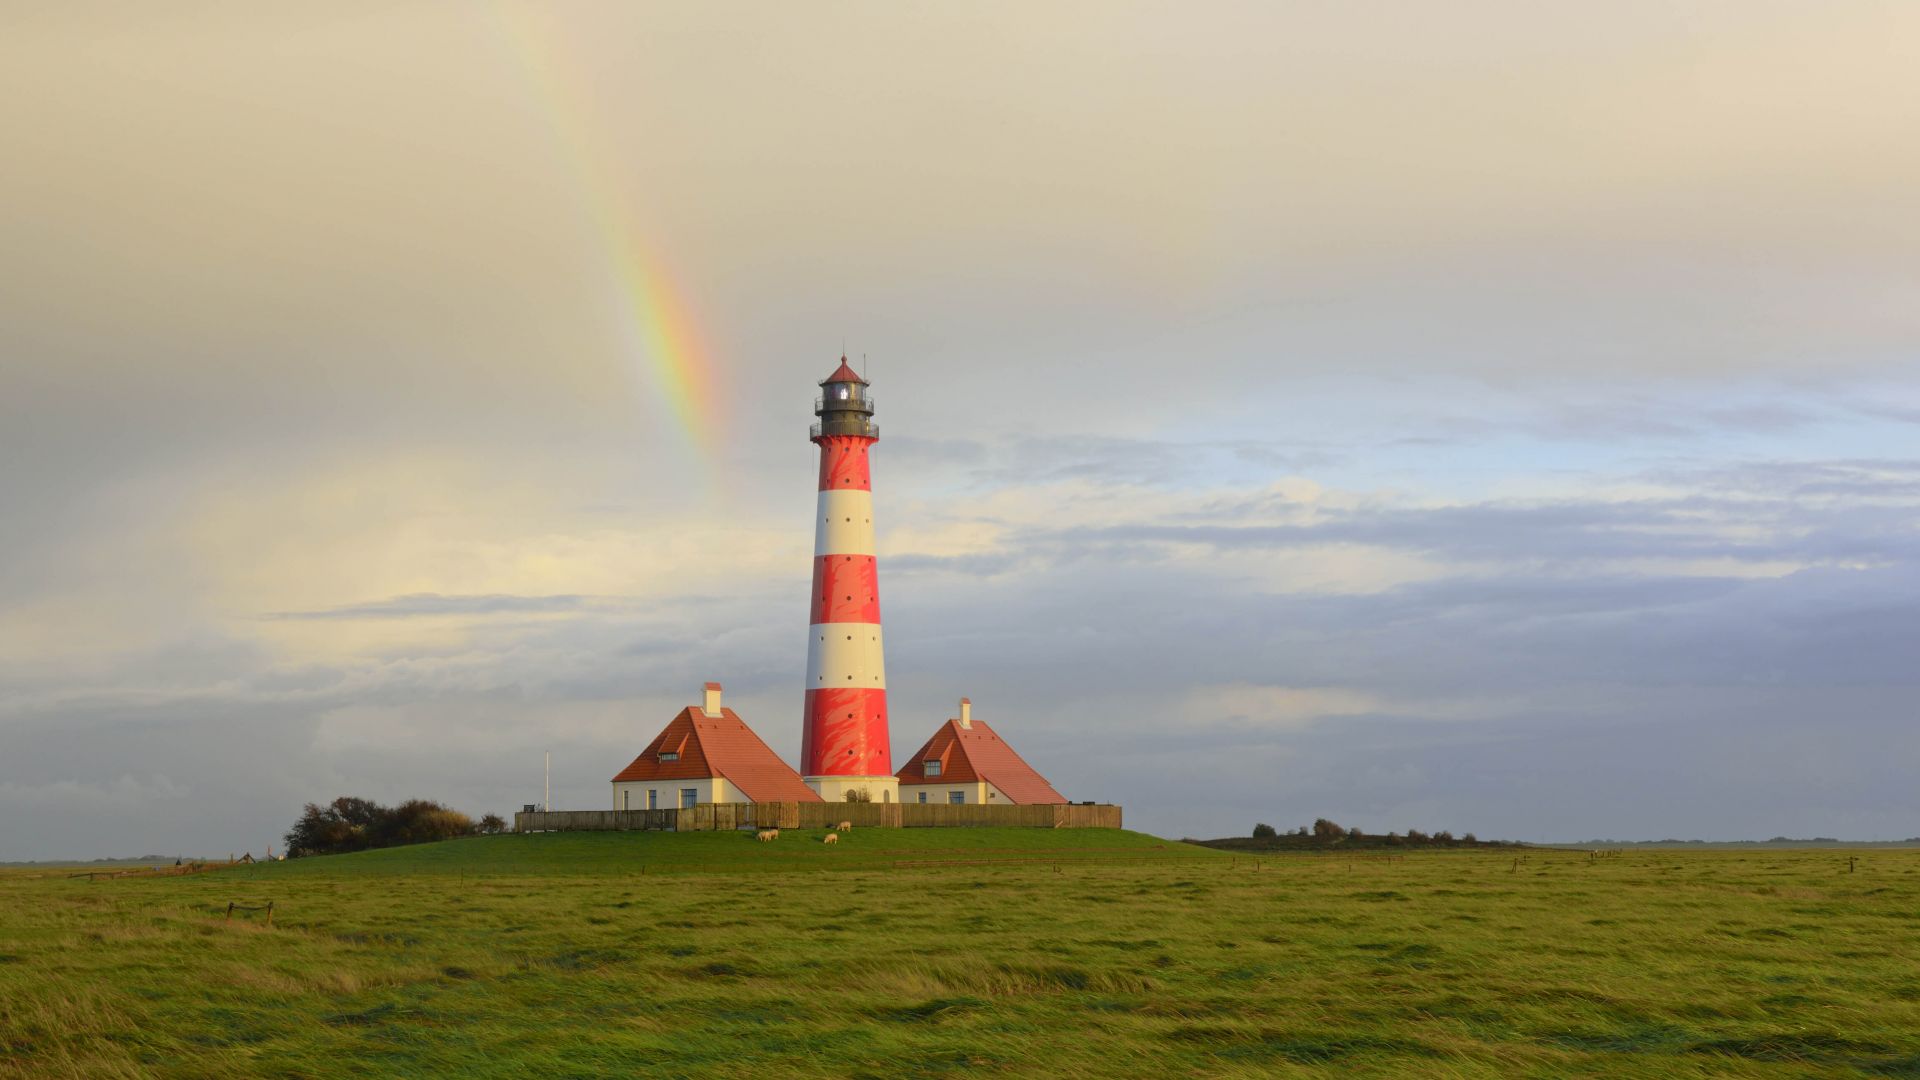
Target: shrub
{"points": [[492, 824], [1265, 832], [859, 795], [418, 821], [355, 824]]}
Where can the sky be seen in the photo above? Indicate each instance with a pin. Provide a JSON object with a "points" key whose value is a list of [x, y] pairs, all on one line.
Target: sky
{"points": [[1501, 417]]}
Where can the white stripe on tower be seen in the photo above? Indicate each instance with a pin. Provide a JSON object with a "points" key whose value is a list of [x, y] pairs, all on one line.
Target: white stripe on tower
{"points": [[845, 655], [844, 523]]}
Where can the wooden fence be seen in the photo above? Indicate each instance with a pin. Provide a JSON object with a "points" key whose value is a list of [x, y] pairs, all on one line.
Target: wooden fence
{"points": [[721, 817]]}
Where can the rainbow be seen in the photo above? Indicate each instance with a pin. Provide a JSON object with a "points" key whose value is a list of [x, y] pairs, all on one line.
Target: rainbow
{"points": [[658, 331]]}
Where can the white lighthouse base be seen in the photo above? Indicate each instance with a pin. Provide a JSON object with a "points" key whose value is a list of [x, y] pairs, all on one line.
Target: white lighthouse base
{"points": [[880, 789]]}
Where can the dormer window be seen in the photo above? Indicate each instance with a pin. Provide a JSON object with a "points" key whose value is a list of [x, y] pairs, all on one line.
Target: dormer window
{"points": [[669, 755], [932, 765]]}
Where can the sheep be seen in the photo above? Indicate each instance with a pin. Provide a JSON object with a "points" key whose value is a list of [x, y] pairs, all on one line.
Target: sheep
{"points": [[845, 826], [765, 835], [831, 838]]}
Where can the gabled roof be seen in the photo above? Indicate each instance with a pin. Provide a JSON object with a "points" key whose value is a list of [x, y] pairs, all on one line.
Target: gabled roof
{"points": [[971, 754], [843, 374], [718, 746]]}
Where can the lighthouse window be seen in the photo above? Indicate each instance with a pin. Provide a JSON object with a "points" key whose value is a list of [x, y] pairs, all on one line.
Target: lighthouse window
{"points": [[840, 392], [933, 767]]}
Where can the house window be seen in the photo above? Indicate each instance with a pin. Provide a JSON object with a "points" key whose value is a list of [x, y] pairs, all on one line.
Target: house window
{"points": [[669, 755], [688, 796], [956, 796], [653, 798], [932, 767], [923, 796], [626, 798]]}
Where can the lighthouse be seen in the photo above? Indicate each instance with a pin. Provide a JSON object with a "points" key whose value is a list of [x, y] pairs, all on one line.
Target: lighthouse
{"points": [[843, 747]]}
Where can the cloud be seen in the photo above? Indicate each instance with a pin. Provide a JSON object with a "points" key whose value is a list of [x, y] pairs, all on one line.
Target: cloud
{"points": [[121, 794], [1275, 706], [433, 604]]}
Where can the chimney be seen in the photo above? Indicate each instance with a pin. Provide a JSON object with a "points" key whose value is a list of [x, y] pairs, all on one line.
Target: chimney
{"points": [[966, 713], [712, 706]]}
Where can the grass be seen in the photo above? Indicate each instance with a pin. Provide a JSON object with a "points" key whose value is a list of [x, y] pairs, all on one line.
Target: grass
{"points": [[559, 955]]}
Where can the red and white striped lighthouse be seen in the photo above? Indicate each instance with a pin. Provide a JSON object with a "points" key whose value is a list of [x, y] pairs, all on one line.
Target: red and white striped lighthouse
{"points": [[844, 746]]}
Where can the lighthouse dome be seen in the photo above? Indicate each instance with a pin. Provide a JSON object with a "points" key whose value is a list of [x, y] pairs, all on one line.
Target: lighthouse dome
{"points": [[843, 374]]}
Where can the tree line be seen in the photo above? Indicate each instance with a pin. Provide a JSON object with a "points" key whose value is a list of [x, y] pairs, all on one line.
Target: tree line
{"points": [[1325, 833], [349, 823]]}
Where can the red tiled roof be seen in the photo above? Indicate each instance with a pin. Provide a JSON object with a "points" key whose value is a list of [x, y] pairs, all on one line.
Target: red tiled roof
{"points": [[843, 374], [969, 755], [718, 746]]}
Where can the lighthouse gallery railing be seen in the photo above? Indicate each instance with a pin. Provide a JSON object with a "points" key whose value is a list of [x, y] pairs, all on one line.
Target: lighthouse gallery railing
{"points": [[872, 430]]}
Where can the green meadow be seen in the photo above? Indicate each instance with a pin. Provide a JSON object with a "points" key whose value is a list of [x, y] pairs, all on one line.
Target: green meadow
{"points": [[933, 952]]}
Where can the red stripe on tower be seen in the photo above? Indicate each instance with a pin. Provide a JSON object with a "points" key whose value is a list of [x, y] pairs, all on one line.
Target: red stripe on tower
{"points": [[843, 464], [843, 747], [846, 588]]}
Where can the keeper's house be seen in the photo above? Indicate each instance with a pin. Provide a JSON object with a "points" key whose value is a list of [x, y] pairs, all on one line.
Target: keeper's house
{"points": [[707, 754], [965, 762]]}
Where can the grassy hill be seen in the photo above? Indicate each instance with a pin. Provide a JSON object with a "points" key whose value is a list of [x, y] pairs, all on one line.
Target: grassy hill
{"points": [[623, 853], [1094, 954]]}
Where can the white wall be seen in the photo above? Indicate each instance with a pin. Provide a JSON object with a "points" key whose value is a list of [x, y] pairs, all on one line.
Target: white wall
{"points": [[833, 789], [977, 792], [711, 789]]}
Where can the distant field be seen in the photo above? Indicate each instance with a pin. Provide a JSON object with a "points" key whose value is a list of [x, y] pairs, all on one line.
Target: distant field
{"points": [[1107, 953]]}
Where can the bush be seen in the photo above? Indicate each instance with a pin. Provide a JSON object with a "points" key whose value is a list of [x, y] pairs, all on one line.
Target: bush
{"points": [[493, 824], [1265, 832], [859, 795], [354, 824]]}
